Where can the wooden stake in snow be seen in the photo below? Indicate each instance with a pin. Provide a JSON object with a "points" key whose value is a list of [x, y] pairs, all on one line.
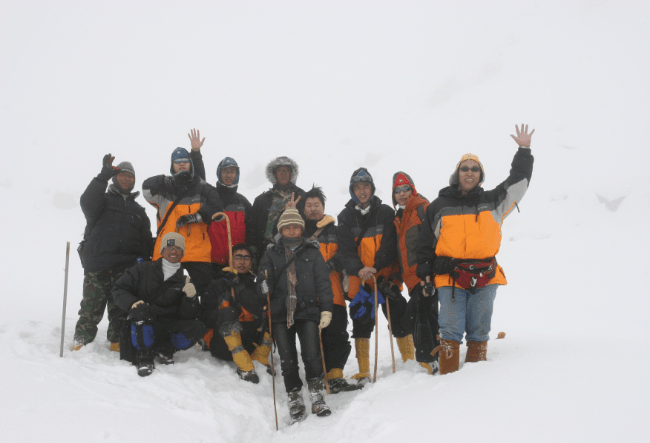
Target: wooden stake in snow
{"points": [[390, 331], [268, 304], [374, 377], [65, 295]]}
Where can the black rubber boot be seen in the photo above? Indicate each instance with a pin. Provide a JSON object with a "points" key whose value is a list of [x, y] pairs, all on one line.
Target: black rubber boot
{"points": [[296, 406]]}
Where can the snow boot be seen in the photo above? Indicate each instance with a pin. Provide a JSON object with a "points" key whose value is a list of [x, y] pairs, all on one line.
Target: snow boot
{"points": [[115, 347], [165, 353], [296, 406], [144, 362], [241, 357], [76, 345], [432, 368], [250, 376], [362, 346], [339, 384], [406, 347], [318, 405], [476, 351], [449, 356]]}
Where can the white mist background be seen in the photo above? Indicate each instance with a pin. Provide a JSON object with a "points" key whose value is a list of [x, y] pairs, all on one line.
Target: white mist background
{"points": [[337, 85]]}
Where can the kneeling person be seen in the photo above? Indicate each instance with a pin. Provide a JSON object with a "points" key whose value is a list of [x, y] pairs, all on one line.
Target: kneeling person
{"points": [[162, 306], [231, 307]]}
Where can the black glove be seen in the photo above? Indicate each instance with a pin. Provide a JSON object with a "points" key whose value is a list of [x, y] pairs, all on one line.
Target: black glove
{"points": [[231, 278], [142, 313], [429, 289], [108, 170], [443, 265], [187, 219], [388, 290], [169, 181]]}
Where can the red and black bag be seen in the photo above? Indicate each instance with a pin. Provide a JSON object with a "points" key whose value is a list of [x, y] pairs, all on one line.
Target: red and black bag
{"points": [[473, 274]]}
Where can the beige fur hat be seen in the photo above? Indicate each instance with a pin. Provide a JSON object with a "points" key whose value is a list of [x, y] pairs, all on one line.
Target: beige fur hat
{"points": [[172, 239]]}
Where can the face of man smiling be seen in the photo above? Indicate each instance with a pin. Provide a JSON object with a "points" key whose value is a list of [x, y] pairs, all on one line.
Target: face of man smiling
{"points": [[468, 180], [173, 254]]}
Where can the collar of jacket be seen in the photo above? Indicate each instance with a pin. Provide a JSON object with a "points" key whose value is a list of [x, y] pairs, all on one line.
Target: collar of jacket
{"points": [[375, 202], [131, 196], [455, 192], [226, 190]]}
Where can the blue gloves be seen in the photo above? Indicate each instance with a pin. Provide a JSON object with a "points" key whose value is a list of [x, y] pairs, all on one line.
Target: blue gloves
{"points": [[362, 307]]}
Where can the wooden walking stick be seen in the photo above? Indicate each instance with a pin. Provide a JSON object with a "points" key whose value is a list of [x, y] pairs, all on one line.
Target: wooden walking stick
{"points": [[374, 377], [65, 295], [322, 358], [268, 303], [224, 216], [390, 332]]}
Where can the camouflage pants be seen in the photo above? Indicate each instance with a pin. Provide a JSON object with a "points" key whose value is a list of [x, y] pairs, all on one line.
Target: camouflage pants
{"points": [[96, 296]]}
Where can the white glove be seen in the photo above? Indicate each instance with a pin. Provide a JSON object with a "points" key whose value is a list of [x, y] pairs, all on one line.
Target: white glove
{"points": [[189, 288], [325, 319], [265, 287]]}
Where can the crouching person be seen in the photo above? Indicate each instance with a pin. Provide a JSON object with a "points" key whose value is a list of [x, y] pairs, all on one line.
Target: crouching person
{"points": [[162, 307], [235, 312], [301, 303]]}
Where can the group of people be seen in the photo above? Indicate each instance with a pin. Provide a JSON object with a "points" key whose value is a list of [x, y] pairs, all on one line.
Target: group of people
{"points": [[293, 268]]}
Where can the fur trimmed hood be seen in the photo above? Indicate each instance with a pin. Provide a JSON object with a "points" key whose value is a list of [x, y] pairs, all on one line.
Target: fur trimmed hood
{"points": [[281, 161]]}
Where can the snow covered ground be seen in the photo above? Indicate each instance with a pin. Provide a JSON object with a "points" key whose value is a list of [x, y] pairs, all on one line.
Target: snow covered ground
{"points": [[335, 86]]}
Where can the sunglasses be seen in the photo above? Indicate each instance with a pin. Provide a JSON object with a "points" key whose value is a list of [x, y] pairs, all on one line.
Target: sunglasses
{"points": [[178, 161], [467, 168], [405, 188], [174, 248], [243, 258]]}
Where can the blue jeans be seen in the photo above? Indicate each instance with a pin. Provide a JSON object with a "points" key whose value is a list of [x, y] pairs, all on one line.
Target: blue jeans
{"points": [[469, 313]]}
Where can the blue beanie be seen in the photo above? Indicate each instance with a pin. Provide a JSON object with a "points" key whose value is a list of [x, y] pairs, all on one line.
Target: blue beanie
{"points": [[361, 175], [181, 153], [227, 162]]}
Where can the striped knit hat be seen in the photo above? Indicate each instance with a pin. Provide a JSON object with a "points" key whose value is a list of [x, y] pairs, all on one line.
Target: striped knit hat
{"points": [[172, 239], [290, 216]]}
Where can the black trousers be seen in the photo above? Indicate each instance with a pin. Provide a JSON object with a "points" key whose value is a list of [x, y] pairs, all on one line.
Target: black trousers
{"points": [[285, 339], [421, 317], [336, 340]]}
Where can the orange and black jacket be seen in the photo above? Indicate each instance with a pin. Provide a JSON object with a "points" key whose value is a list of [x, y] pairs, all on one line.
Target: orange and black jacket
{"points": [[469, 226], [378, 246], [199, 197], [329, 247], [408, 234]]}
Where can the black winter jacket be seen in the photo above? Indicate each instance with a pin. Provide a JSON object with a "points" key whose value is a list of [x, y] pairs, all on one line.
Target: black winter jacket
{"points": [[218, 291], [118, 230], [144, 281], [314, 289], [379, 229]]}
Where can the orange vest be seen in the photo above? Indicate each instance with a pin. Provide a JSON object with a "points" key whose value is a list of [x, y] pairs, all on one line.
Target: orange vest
{"points": [[408, 232]]}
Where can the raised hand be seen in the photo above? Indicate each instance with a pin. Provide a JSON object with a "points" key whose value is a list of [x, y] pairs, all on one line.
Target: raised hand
{"points": [[108, 170], [523, 137], [195, 139], [292, 203]]}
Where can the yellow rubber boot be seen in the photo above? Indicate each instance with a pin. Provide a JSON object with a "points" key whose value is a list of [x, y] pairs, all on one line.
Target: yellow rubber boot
{"points": [[335, 373], [427, 366], [261, 353], [362, 346], [240, 356], [406, 347], [115, 347]]}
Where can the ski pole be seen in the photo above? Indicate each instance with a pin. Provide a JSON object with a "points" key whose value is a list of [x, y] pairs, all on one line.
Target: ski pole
{"points": [[322, 357], [374, 377], [390, 333], [268, 302], [65, 295]]}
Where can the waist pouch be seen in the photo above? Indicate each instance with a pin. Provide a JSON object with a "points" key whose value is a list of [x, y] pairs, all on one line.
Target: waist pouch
{"points": [[474, 274]]}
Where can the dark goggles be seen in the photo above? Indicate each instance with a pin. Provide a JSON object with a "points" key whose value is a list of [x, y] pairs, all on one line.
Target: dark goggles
{"points": [[405, 188], [181, 160], [467, 168]]}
